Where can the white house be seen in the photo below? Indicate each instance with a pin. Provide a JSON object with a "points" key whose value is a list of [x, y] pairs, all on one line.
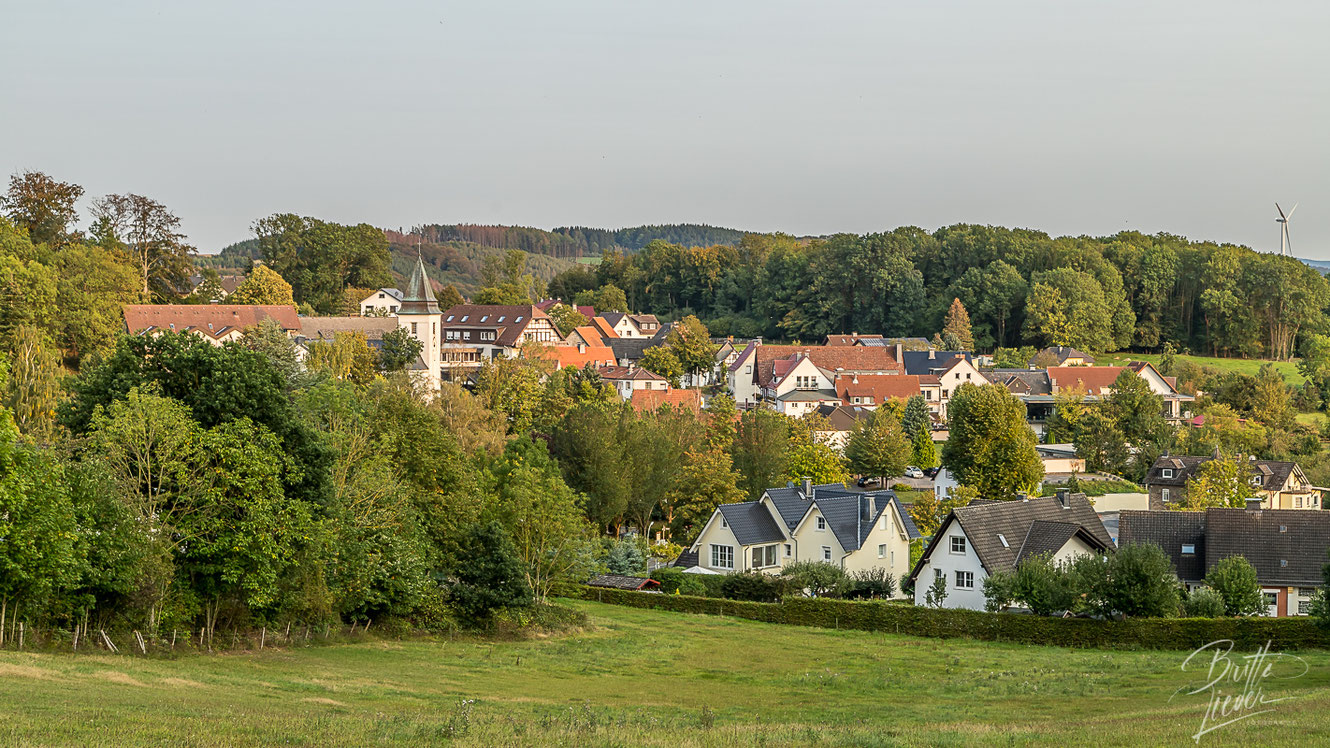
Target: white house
{"points": [[827, 523], [383, 302], [632, 325], [626, 381], [798, 387], [991, 536], [474, 333]]}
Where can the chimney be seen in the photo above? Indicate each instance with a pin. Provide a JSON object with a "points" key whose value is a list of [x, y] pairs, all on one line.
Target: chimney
{"points": [[899, 349], [855, 380], [854, 334], [808, 487], [1064, 498], [1254, 505], [932, 354]]}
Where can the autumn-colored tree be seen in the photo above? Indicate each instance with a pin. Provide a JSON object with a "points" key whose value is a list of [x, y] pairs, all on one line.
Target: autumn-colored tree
{"points": [[662, 361], [263, 286], [1221, 482], [43, 206], [956, 332], [347, 356]]}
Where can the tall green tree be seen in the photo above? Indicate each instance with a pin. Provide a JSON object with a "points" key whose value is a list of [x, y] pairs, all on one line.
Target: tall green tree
{"points": [[321, 259], [877, 447], [146, 232], [43, 206], [990, 447], [263, 286]]}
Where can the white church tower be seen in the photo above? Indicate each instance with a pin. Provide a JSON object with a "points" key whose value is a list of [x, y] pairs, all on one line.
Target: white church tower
{"points": [[420, 314]]}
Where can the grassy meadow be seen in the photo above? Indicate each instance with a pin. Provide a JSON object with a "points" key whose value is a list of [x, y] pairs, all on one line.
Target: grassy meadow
{"points": [[638, 677], [1247, 366]]}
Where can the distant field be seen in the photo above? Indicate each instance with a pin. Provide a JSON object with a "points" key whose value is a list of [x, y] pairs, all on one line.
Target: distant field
{"points": [[590, 260], [1243, 365], [644, 678]]}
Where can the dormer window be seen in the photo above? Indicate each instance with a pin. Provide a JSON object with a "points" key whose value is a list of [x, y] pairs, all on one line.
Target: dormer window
{"points": [[1166, 473]]}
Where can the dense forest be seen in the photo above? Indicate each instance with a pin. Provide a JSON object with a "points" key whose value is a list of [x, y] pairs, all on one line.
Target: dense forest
{"points": [[1020, 286]]}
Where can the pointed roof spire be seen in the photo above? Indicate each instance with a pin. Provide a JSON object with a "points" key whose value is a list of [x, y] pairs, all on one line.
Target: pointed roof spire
{"points": [[418, 296]]}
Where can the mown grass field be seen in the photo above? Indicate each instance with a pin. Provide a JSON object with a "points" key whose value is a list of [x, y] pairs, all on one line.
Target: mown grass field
{"points": [[1247, 366], [640, 677]]}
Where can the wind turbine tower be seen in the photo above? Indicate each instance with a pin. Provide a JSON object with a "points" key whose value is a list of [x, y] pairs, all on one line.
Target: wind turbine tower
{"points": [[1285, 246]]}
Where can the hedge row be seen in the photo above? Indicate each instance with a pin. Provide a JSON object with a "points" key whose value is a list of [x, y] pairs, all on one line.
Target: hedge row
{"points": [[1138, 633]]}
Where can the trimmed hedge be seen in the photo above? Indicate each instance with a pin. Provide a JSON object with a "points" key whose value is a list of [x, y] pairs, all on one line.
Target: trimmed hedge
{"points": [[1134, 633]]}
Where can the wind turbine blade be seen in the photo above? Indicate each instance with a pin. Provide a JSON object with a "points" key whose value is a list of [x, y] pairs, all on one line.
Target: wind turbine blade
{"points": [[1290, 211], [1281, 211]]}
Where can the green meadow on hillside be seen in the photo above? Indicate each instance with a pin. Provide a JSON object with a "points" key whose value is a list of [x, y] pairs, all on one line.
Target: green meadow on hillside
{"points": [[1248, 366], [639, 677]]}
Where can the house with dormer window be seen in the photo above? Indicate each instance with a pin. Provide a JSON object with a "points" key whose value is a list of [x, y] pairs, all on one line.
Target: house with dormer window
{"points": [[475, 333], [825, 523], [797, 386]]}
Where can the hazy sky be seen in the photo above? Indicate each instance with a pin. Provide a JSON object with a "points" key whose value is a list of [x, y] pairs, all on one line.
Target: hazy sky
{"points": [[805, 117]]}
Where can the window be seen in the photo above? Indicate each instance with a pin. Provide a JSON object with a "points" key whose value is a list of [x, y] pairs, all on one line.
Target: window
{"points": [[413, 328], [1188, 549], [946, 393], [787, 550], [821, 523], [501, 318], [1297, 502], [764, 555], [1256, 480], [517, 319], [957, 544], [967, 375], [1283, 563], [939, 574], [1003, 538], [928, 394], [723, 523], [1271, 598], [485, 318], [450, 318], [1306, 592], [1163, 495], [466, 317], [1166, 473], [882, 550], [722, 557], [965, 580], [381, 295], [826, 553], [1304, 607]]}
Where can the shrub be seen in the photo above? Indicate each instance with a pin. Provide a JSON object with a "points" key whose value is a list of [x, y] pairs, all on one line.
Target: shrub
{"points": [[1089, 577], [999, 591], [1234, 579], [692, 585], [1204, 603], [818, 579], [753, 586], [937, 593], [1043, 585], [626, 557], [489, 575], [1141, 582], [670, 579], [872, 583]]}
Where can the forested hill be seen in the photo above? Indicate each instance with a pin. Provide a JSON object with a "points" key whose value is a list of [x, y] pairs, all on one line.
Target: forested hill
{"points": [[578, 241]]}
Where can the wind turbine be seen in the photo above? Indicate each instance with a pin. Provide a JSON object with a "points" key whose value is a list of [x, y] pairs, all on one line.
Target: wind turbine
{"points": [[1285, 245]]}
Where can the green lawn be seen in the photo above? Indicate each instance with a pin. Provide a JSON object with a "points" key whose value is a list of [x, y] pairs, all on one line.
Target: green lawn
{"points": [[1242, 365], [641, 677]]}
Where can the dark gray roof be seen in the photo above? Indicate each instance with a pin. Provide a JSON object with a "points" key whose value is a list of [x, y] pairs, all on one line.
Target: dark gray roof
{"points": [[791, 504], [1064, 352], [686, 560], [630, 349], [1021, 381], [1274, 473], [1287, 546], [621, 582], [751, 523], [921, 362], [612, 317], [1169, 530], [1046, 536], [987, 523], [843, 417]]}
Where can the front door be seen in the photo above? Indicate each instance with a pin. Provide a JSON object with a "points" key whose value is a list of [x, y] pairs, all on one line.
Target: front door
{"points": [[1271, 602]]}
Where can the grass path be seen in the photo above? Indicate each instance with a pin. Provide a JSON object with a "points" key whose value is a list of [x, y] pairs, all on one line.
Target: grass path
{"points": [[640, 678], [1247, 366]]}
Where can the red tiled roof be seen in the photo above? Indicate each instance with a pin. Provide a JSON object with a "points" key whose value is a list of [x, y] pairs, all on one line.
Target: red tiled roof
{"points": [[829, 357], [605, 328], [1093, 379], [646, 400], [590, 334], [880, 387], [570, 355], [210, 319]]}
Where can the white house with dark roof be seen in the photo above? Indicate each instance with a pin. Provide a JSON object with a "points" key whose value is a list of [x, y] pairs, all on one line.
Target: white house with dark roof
{"points": [[1279, 484], [986, 537], [798, 386], [383, 302], [826, 523]]}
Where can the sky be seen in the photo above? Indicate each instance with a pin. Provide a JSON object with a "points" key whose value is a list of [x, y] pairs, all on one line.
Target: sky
{"points": [[1191, 118]]}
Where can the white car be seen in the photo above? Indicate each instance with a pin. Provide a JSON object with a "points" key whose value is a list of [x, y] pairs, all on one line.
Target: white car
{"points": [[913, 472]]}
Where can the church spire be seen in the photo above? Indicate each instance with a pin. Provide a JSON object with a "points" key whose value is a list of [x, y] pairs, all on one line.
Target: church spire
{"points": [[419, 294]]}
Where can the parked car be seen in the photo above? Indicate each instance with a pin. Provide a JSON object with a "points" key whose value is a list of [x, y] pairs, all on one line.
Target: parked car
{"points": [[931, 473], [913, 472], [866, 481]]}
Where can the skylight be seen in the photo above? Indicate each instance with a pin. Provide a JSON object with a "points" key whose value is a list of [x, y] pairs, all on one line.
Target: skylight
{"points": [[1188, 550], [1003, 538], [501, 318], [485, 318], [450, 317], [517, 319], [465, 317]]}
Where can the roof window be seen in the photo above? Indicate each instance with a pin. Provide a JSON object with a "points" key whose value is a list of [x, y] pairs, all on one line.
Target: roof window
{"points": [[465, 317], [517, 318], [1003, 538], [1188, 549], [486, 318], [1167, 472], [450, 318], [501, 318]]}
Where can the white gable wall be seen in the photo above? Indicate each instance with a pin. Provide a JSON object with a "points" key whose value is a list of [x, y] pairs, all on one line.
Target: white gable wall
{"points": [[941, 558]]}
